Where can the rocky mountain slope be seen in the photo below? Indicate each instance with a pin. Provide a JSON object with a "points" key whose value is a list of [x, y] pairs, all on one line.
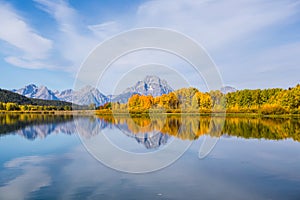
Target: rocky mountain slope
{"points": [[150, 85]]}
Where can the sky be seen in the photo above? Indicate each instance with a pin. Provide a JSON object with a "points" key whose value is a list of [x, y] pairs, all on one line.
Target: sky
{"points": [[253, 43]]}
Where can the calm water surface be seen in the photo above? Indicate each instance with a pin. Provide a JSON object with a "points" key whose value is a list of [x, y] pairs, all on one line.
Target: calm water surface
{"points": [[42, 157]]}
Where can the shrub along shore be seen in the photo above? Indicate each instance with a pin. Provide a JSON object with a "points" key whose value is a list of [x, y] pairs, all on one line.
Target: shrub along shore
{"points": [[274, 101], [266, 102]]}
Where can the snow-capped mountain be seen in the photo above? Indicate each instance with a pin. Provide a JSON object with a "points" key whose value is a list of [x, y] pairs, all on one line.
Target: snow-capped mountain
{"points": [[151, 85], [88, 95], [32, 91], [87, 127], [85, 96], [27, 91], [44, 93], [65, 95]]}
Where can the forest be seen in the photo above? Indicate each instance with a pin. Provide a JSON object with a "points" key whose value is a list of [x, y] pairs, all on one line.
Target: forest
{"points": [[274, 101], [193, 127], [10, 101], [13, 122]]}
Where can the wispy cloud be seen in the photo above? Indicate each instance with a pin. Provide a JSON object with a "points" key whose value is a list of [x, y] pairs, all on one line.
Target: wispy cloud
{"points": [[215, 23], [75, 38], [106, 29], [30, 63], [29, 45], [228, 29], [33, 177]]}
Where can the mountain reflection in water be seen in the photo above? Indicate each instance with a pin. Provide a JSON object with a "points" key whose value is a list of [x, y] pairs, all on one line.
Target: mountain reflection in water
{"points": [[151, 132]]}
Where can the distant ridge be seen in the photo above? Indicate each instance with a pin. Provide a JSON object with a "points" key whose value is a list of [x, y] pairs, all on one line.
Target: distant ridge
{"points": [[85, 96], [150, 85], [33, 91], [9, 96]]}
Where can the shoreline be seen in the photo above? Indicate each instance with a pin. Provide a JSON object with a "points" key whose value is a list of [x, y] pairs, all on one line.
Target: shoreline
{"points": [[246, 115], [95, 113], [53, 112]]}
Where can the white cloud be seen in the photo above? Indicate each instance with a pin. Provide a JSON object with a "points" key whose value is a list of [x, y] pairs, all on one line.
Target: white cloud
{"points": [[224, 28], [105, 29], [75, 39], [15, 31], [215, 23], [32, 178], [227, 29], [30, 64], [65, 15], [243, 37]]}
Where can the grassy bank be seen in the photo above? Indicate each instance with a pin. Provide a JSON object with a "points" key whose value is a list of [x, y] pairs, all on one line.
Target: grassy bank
{"points": [[53, 112], [145, 114], [218, 114]]}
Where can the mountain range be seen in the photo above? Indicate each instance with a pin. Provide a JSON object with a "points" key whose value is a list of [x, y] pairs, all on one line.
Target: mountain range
{"points": [[150, 85], [32, 91], [67, 124]]}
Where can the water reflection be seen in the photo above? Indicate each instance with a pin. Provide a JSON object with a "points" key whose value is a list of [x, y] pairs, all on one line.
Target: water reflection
{"points": [[33, 126], [238, 168], [34, 176], [152, 132], [193, 127]]}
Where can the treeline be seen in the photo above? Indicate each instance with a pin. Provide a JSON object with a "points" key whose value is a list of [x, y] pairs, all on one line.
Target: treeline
{"points": [[12, 122], [11, 101], [267, 101], [193, 127], [191, 100], [8, 96], [16, 107]]}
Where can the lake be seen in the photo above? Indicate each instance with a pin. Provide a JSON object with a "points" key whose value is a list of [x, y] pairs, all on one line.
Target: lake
{"points": [[65, 157]]}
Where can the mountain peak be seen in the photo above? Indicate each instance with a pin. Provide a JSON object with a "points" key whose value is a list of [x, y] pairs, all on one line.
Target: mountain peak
{"points": [[87, 88], [31, 85], [27, 91], [33, 91], [227, 89], [89, 95], [84, 96], [150, 85]]}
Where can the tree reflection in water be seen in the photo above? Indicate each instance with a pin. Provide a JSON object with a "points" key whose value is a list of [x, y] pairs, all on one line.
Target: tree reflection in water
{"points": [[154, 131]]}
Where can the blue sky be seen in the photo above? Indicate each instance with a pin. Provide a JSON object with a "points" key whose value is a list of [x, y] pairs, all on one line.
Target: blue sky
{"points": [[254, 43]]}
